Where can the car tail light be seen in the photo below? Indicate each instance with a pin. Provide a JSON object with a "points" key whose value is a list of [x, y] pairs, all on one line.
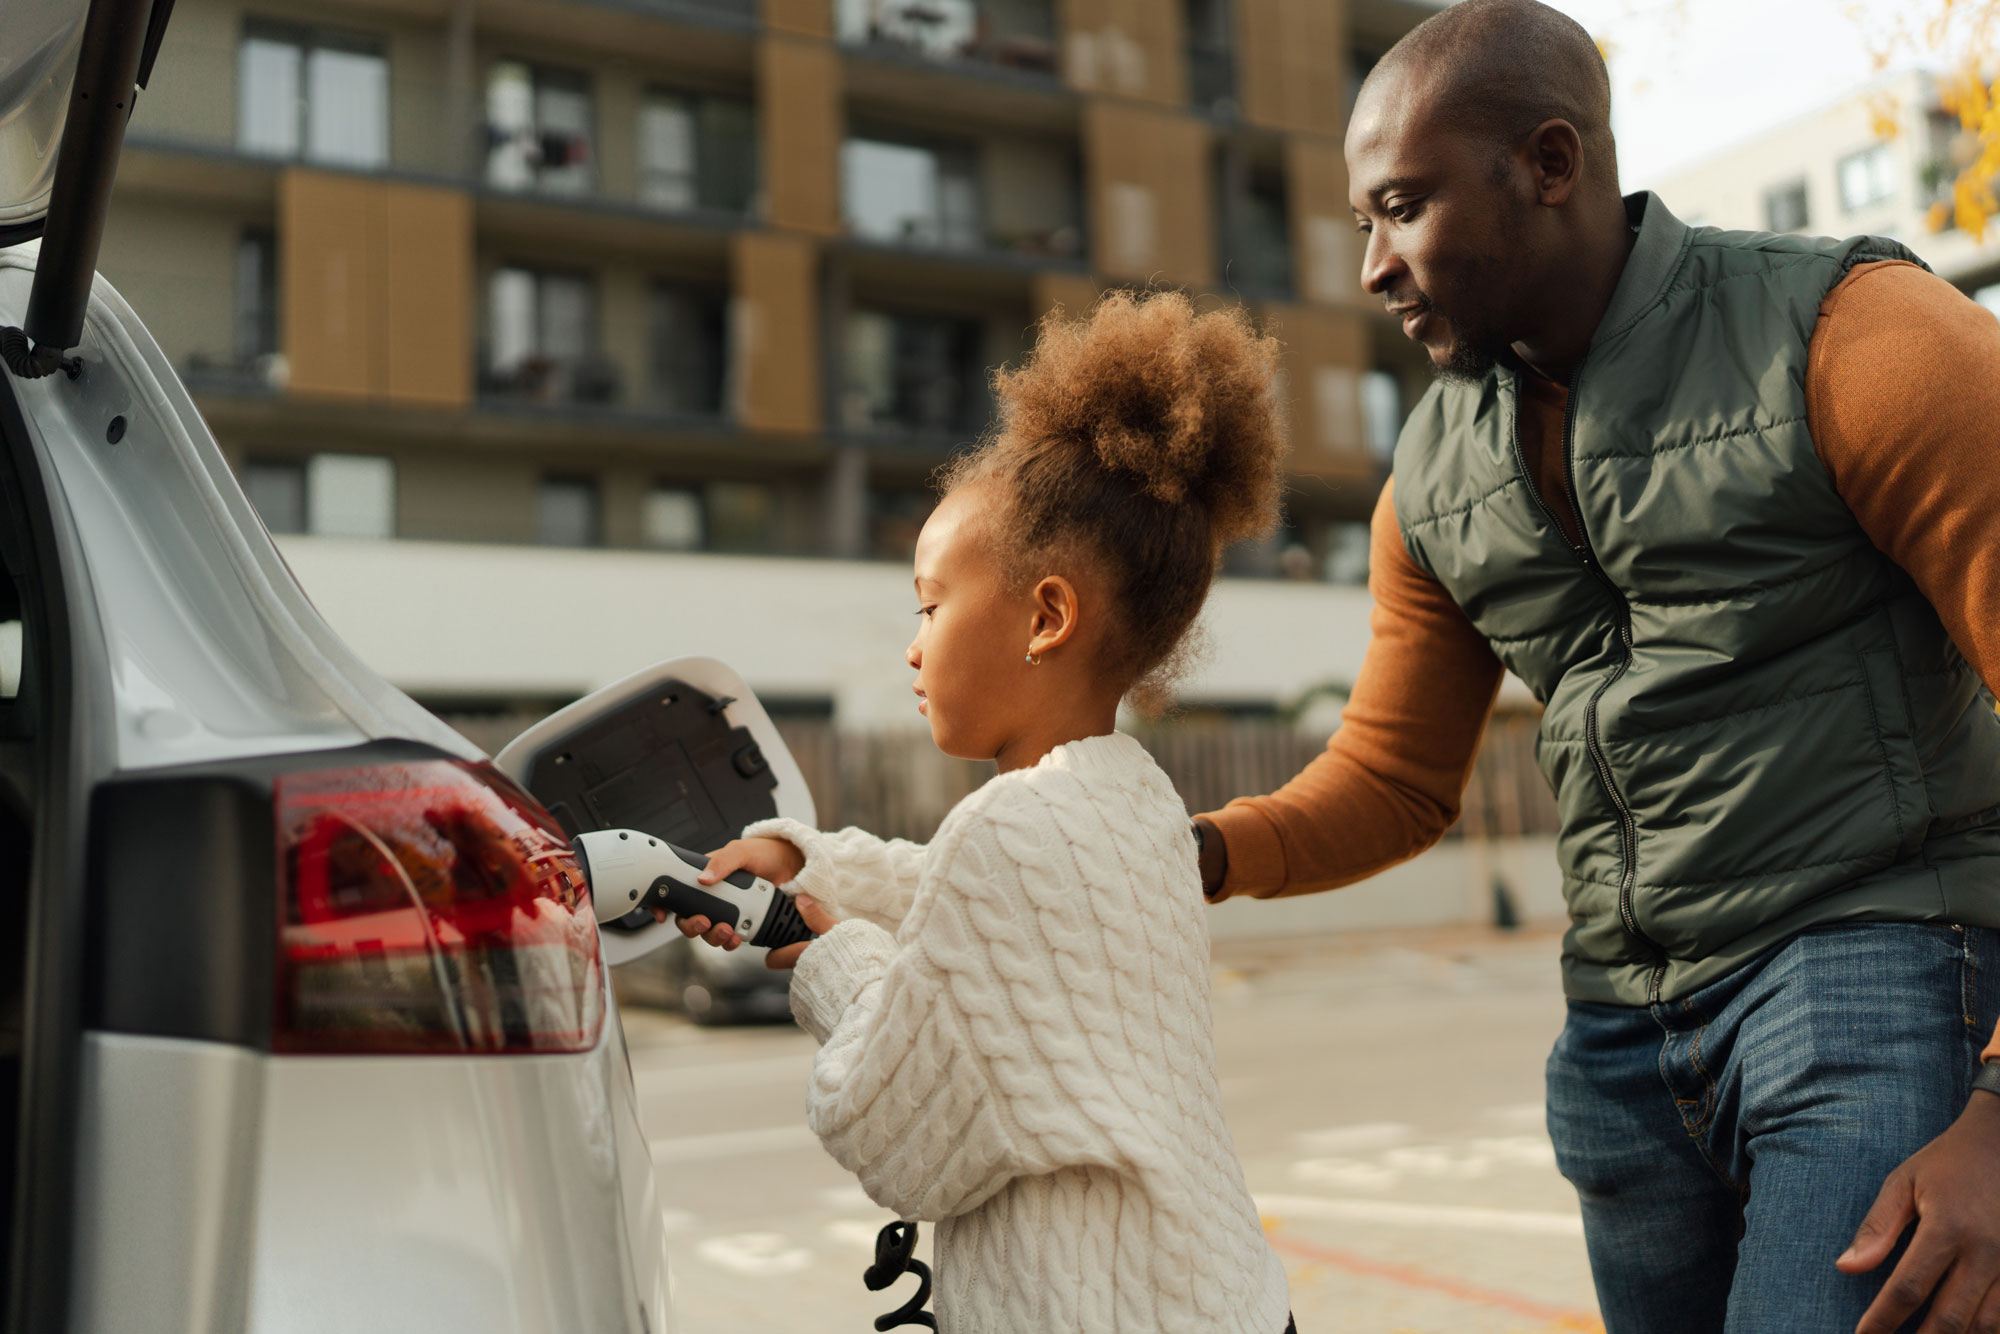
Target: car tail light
{"points": [[430, 906]]}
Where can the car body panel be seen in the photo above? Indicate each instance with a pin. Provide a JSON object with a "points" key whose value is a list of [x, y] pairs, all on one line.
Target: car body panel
{"points": [[215, 651], [219, 1187]]}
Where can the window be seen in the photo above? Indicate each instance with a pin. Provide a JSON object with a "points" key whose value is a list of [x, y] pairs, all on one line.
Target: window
{"points": [[910, 194], [688, 348], [538, 129], [1256, 225], [1867, 177], [697, 152], [1346, 553], [742, 516], [1016, 33], [12, 644], [670, 519], [256, 295], [315, 95], [541, 341], [1381, 412], [1785, 208], [566, 512], [922, 373], [894, 520], [327, 495], [1211, 55]]}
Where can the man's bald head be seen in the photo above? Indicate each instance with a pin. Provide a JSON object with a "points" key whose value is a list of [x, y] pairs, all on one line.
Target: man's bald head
{"points": [[1495, 69]]}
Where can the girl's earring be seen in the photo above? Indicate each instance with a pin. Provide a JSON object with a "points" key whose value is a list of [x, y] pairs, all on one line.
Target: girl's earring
{"points": [[1034, 661]]}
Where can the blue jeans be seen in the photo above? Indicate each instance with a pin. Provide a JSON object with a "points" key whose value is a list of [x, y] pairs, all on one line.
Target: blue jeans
{"points": [[1726, 1145]]}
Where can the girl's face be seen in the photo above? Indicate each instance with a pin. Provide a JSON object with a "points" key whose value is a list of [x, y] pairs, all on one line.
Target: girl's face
{"points": [[973, 632]]}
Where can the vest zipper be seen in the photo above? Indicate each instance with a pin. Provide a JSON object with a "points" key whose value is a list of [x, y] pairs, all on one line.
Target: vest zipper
{"points": [[1628, 828]]}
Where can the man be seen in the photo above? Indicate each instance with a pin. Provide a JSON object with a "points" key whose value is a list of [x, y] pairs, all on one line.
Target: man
{"points": [[1729, 504]]}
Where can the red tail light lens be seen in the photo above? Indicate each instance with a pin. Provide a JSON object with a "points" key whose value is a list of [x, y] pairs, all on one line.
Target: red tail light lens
{"points": [[429, 907]]}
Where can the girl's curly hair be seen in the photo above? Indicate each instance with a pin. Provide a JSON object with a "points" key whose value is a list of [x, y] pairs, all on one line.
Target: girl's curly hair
{"points": [[1143, 438]]}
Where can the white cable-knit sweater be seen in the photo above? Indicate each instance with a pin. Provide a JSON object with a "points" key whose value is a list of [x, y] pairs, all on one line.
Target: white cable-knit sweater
{"points": [[1028, 1059]]}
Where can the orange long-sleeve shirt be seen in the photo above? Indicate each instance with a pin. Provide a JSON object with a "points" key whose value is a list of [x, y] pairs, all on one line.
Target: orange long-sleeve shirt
{"points": [[1903, 402]]}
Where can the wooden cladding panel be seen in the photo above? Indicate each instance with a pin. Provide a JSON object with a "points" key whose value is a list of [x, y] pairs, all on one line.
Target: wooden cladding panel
{"points": [[776, 328], [332, 284], [805, 18], [1074, 292], [1151, 179], [800, 115], [428, 305], [1327, 247], [1292, 64], [377, 289], [1326, 352], [1133, 48]]}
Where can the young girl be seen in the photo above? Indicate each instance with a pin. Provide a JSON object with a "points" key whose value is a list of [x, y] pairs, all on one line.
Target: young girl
{"points": [[1014, 1020]]}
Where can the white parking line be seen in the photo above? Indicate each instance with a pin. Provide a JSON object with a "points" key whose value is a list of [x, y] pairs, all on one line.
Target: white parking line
{"points": [[732, 1144], [1421, 1215]]}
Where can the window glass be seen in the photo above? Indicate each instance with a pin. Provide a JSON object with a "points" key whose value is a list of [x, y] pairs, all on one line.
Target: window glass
{"points": [[11, 647], [538, 128], [566, 512], [670, 519], [742, 516], [1867, 177], [277, 490], [667, 153], [347, 108], [1785, 208], [256, 295], [350, 495], [911, 195], [1381, 412], [913, 372], [320, 96], [727, 154], [541, 338], [269, 87], [688, 348], [1347, 553]]}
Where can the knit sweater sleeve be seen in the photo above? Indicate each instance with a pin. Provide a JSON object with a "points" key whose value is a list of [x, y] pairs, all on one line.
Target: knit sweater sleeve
{"points": [[852, 872], [903, 1092]]}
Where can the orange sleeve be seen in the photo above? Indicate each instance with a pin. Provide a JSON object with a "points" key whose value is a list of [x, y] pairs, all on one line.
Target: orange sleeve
{"points": [[1903, 401], [1390, 781]]}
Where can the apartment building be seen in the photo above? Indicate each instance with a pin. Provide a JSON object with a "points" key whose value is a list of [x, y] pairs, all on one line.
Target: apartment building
{"points": [[723, 278], [1874, 162]]}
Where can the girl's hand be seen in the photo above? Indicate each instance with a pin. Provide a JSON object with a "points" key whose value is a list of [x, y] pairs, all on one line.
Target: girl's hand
{"points": [[773, 859], [815, 917]]}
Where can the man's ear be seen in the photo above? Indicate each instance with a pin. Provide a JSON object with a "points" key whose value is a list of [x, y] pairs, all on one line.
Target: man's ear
{"points": [[1555, 154], [1054, 621]]}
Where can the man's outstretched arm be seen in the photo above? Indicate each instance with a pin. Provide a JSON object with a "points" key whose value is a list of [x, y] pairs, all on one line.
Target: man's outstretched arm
{"points": [[1903, 399], [1390, 781]]}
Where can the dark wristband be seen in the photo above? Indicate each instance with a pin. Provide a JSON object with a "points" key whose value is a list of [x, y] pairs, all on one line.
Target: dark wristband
{"points": [[1988, 1077]]}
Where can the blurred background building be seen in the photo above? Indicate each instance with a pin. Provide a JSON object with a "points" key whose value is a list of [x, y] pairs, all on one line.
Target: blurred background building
{"points": [[1880, 160], [702, 291]]}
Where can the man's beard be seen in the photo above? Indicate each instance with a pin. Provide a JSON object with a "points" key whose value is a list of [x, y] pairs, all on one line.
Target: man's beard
{"points": [[1473, 355]]}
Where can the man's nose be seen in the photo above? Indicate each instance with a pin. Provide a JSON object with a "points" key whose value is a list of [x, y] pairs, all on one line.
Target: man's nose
{"points": [[1380, 264]]}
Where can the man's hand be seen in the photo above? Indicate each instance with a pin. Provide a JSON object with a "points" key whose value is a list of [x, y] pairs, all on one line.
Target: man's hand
{"points": [[1214, 858], [773, 859], [1951, 1188]]}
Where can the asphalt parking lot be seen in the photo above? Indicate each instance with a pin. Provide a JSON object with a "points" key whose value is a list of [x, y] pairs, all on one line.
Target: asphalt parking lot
{"points": [[1384, 1090]]}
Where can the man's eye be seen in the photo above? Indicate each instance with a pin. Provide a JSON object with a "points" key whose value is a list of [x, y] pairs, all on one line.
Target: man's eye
{"points": [[1401, 212]]}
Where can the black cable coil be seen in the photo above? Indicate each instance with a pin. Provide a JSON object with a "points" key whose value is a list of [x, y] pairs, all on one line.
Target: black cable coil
{"points": [[895, 1256]]}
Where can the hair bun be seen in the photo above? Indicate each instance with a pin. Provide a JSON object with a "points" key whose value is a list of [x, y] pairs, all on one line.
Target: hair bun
{"points": [[1182, 401]]}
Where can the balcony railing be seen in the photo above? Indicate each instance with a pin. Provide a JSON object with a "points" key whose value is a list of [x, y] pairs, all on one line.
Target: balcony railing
{"points": [[1212, 77]]}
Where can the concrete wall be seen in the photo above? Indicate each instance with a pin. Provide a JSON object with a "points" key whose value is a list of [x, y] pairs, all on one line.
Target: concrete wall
{"points": [[440, 618], [176, 263]]}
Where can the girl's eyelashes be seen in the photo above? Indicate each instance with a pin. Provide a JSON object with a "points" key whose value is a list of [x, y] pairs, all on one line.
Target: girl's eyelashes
{"points": [[925, 611]]}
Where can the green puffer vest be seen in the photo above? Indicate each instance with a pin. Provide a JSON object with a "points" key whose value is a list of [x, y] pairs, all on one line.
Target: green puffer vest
{"points": [[1755, 723]]}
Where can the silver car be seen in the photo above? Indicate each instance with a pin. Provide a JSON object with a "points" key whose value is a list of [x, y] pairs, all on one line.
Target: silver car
{"points": [[304, 1013]]}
